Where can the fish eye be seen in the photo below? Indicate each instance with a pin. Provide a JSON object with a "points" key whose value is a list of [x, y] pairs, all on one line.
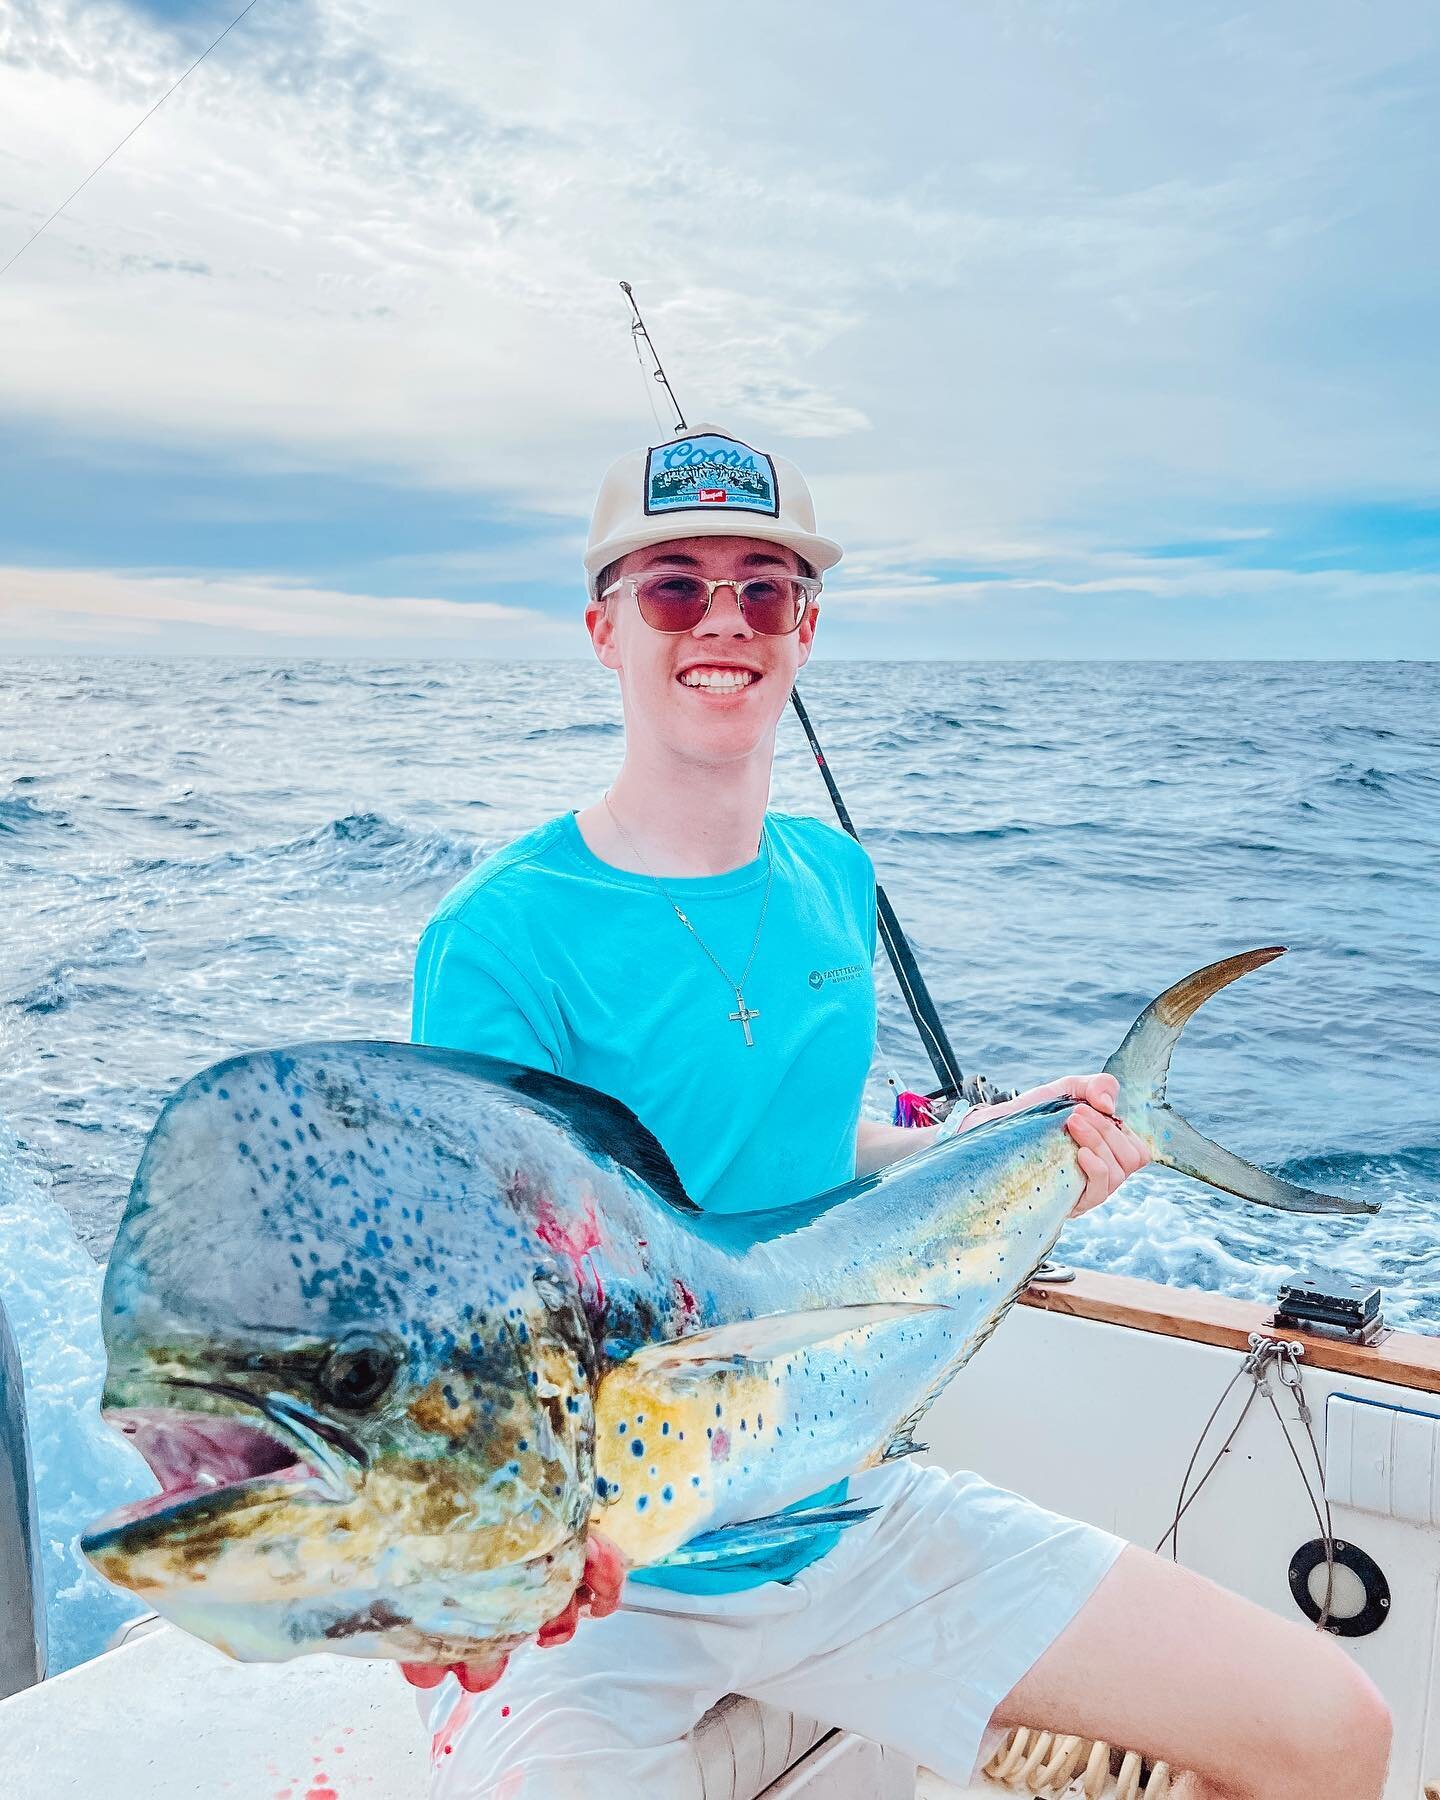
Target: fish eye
{"points": [[358, 1372]]}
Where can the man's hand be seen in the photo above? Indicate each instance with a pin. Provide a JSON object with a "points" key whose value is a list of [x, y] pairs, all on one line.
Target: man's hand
{"points": [[598, 1594], [1105, 1149]]}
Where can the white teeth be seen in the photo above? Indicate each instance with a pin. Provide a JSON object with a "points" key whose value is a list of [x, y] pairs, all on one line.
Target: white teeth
{"points": [[729, 682]]}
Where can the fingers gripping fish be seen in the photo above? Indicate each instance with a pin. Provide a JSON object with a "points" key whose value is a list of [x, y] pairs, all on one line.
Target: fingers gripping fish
{"points": [[397, 1328]]}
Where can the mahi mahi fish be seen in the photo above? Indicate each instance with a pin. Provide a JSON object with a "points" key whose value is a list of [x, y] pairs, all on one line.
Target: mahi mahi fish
{"points": [[398, 1327]]}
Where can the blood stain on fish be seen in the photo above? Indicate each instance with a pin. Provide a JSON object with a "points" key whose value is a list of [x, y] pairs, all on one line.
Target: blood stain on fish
{"points": [[574, 1243], [686, 1303]]}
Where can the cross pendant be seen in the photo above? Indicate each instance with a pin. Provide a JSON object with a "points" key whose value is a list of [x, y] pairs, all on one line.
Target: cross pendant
{"points": [[744, 1016]]}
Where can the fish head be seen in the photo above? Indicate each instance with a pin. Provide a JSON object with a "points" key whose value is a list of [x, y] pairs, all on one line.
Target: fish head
{"points": [[365, 1388]]}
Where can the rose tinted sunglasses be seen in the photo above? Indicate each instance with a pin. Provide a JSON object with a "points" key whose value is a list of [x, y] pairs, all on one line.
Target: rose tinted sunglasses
{"points": [[773, 605]]}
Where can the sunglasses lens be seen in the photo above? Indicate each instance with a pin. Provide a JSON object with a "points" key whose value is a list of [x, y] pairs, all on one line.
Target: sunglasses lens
{"points": [[671, 602], [772, 605]]}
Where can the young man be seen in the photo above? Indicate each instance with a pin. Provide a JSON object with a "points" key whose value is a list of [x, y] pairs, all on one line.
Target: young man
{"points": [[664, 945]]}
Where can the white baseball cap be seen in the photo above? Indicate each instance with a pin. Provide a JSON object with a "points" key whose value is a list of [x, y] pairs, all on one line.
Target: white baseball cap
{"points": [[703, 483]]}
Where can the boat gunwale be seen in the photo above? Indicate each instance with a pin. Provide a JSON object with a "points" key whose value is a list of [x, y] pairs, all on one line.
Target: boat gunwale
{"points": [[1407, 1359]]}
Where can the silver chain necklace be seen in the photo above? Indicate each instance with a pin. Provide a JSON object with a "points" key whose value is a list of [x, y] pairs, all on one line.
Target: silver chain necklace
{"points": [[745, 1013]]}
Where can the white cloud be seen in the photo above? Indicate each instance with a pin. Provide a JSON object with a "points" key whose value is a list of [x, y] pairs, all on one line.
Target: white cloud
{"points": [[104, 609]]}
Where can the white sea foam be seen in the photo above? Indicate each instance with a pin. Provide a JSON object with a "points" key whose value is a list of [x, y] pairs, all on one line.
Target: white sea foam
{"points": [[50, 1288]]}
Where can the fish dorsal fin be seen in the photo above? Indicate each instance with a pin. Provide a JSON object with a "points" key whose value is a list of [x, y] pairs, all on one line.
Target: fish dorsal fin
{"points": [[606, 1125], [777, 1334]]}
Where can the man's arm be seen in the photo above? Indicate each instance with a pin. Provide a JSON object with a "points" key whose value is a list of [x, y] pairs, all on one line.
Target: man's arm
{"points": [[1106, 1151], [877, 1144]]}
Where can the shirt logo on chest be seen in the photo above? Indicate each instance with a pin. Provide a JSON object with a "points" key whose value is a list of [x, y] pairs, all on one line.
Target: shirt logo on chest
{"points": [[849, 972]]}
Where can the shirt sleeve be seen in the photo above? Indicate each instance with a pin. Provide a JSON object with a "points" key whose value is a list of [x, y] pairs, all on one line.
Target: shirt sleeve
{"points": [[470, 996]]}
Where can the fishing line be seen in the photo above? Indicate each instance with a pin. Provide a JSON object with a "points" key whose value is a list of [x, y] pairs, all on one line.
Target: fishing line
{"points": [[640, 330], [645, 376], [5, 268]]}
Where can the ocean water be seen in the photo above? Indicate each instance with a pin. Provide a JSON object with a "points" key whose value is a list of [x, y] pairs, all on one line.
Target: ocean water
{"points": [[201, 857]]}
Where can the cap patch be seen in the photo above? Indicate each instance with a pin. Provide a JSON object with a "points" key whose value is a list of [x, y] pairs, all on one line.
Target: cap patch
{"points": [[706, 471]]}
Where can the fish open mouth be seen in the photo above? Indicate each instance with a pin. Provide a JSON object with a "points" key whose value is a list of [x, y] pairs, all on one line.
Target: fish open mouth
{"points": [[205, 1459]]}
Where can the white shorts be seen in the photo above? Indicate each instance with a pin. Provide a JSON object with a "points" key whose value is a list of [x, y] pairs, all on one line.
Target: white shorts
{"points": [[910, 1632]]}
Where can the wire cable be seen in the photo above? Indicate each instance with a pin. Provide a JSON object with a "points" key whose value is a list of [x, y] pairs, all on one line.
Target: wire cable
{"points": [[1284, 1358], [4, 270]]}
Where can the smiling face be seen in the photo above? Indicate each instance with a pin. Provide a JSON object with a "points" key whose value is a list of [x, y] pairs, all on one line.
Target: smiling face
{"points": [[713, 694]]}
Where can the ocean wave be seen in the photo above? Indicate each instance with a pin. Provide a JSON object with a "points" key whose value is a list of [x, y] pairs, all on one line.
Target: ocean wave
{"points": [[914, 836], [19, 813], [369, 843], [1318, 1167], [356, 845], [65, 982], [369, 840], [1162, 1227], [575, 733], [1392, 783]]}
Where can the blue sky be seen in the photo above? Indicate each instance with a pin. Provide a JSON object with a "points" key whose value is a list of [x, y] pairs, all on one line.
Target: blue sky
{"points": [[1101, 329]]}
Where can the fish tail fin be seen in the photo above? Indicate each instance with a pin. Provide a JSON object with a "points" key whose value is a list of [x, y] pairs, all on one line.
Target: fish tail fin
{"points": [[1142, 1065]]}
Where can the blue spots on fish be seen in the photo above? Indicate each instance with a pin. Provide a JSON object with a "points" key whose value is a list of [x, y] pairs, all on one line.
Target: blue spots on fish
{"points": [[637, 1447]]}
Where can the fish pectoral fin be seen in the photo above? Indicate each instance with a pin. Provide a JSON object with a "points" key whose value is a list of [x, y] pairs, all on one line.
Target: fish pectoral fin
{"points": [[776, 1334], [753, 1537]]}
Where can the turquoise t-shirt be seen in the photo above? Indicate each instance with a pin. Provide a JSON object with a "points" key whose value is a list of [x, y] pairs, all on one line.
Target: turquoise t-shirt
{"points": [[550, 957]]}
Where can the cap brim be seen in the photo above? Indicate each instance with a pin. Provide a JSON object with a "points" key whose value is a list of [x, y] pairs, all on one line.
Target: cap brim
{"points": [[820, 552]]}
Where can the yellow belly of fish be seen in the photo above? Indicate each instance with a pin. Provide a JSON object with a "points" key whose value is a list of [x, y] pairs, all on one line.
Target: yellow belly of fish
{"points": [[662, 1441]]}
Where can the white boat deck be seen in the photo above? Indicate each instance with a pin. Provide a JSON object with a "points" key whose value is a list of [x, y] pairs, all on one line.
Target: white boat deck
{"points": [[168, 1718]]}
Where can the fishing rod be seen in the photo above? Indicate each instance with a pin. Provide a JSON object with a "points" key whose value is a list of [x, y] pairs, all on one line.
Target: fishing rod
{"points": [[975, 1090], [638, 331]]}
